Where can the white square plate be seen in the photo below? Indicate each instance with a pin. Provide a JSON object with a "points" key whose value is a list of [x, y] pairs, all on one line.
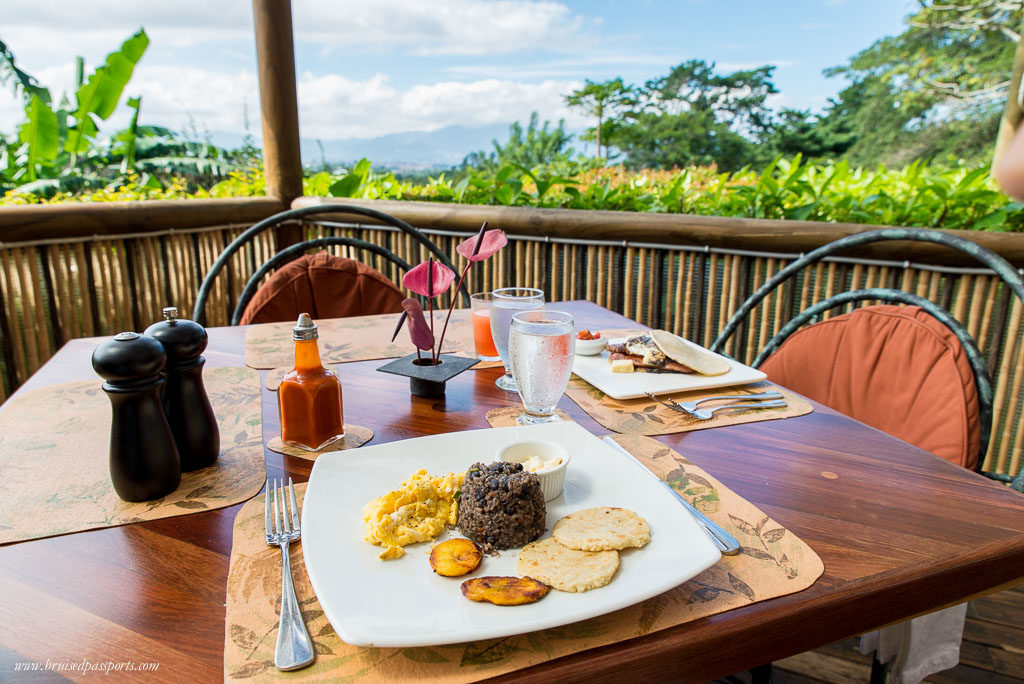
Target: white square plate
{"points": [[402, 603], [598, 372]]}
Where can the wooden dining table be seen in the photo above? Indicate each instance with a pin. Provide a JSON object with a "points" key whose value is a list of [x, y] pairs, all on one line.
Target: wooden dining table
{"points": [[900, 531]]}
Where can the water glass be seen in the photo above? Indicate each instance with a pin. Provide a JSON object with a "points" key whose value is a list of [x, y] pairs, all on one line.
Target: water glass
{"points": [[480, 304], [504, 303], [541, 345]]}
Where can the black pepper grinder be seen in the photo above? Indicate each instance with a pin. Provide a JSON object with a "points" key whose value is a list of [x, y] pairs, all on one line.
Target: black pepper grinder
{"points": [[185, 401], [144, 462]]}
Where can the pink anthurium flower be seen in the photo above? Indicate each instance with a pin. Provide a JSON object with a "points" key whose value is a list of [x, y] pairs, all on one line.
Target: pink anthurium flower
{"points": [[478, 248], [420, 333], [429, 279]]}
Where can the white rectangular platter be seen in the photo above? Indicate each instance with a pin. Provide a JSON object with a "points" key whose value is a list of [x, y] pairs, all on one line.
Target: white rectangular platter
{"points": [[598, 372], [402, 603]]}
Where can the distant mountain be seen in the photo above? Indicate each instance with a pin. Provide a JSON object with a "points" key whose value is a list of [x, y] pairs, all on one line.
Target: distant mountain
{"points": [[444, 147], [414, 149]]}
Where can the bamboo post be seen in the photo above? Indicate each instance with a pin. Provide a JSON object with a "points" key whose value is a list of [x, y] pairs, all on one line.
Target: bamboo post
{"points": [[1012, 112], [275, 58]]}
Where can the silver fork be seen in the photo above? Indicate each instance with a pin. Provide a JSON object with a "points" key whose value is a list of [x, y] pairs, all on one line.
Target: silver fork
{"points": [[691, 406], [708, 414], [294, 647]]}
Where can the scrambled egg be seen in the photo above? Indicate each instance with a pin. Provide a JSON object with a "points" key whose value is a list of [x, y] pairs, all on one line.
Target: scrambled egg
{"points": [[418, 511]]}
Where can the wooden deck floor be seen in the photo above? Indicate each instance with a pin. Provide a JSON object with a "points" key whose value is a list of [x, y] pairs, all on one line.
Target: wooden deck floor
{"points": [[992, 650]]}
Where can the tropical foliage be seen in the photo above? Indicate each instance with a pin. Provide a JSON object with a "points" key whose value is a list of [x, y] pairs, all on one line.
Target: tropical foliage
{"points": [[917, 195], [934, 92], [58, 150], [907, 142], [536, 146]]}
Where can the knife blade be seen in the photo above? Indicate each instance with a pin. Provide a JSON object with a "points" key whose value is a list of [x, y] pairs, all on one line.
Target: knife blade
{"points": [[726, 543]]}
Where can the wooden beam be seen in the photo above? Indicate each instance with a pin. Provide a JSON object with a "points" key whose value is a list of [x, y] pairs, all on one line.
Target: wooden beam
{"points": [[765, 235], [275, 57], [83, 219]]}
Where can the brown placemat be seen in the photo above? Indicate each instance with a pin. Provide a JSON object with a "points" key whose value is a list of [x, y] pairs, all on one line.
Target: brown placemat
{"points": [[647, 417], [509, 416], [355, 437], [358, 338], [54, 452], [773, 563]]}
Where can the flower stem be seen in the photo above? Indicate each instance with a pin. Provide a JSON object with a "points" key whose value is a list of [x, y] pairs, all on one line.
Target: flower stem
{"points": [[458, 288], [430, 307]]}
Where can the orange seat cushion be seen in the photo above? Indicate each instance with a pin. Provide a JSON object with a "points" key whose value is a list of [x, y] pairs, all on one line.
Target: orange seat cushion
{"points": [[324, 286], [895, 368]]}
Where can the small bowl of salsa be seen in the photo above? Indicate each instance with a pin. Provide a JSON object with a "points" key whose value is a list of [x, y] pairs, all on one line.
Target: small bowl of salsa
{"points": [[589, 343]]}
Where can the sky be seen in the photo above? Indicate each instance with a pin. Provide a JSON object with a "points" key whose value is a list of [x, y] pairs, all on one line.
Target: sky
{"points": [[377, 67]]}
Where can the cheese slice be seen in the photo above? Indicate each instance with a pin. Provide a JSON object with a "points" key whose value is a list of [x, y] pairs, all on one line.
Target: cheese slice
{"points": [[622, 366]]}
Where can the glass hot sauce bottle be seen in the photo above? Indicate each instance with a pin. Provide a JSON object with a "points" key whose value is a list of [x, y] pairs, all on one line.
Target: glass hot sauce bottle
{"points": [[310, 395]]}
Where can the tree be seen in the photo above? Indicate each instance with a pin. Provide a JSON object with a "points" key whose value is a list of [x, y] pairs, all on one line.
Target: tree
{"points": [[694, 115], [738, 98], [537, 146], [827, 136], [692, 137], [952, 64], [603, 101]]}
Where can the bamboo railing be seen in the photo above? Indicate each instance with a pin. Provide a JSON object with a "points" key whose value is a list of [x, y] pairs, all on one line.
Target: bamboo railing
{"points": [[105, 269]]}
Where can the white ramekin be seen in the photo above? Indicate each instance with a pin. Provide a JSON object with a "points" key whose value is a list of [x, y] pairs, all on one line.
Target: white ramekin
{"points": [[591, 347], [551, 481]]}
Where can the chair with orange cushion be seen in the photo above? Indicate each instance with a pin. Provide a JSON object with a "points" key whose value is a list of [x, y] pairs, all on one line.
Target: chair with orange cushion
{"points": [[912, 371], [321, 284], [907, 368], [324, 286]]}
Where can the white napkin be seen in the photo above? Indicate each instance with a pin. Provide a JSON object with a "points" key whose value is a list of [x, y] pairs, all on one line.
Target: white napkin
{"points": [[921, 646]]}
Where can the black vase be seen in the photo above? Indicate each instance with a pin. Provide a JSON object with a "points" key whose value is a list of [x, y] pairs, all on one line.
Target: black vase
{"points": [[426, 379]]}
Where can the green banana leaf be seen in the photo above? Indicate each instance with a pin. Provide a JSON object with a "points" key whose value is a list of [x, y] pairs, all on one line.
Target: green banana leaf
{"points": [[39, 135], [99, 95]]}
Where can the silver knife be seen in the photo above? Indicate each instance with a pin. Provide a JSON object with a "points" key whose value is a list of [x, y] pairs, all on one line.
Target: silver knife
{"points": [[725, 542]]}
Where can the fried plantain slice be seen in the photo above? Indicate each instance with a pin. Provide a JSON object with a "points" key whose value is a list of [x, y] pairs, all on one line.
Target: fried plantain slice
{"points": [[455, 557], [504, 591]]}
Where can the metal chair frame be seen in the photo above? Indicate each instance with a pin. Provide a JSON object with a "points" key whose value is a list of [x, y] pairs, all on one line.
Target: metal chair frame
{"points": [[982, 379], [199, 311], [296, 250]]}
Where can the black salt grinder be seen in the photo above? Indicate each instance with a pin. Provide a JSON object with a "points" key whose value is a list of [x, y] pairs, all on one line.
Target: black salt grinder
{"points": [[186, 404], [144, 461]]}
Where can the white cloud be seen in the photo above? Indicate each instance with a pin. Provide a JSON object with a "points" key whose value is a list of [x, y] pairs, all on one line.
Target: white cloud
{"points": [[331, 107], [200, 65], [577, 67], [437, 27], [724, 67], [443, 27]]}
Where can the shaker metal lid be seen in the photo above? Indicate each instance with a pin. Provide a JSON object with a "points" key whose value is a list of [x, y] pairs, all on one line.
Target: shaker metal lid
{"points": [[305, 328], [127, 357], [184, 340]]}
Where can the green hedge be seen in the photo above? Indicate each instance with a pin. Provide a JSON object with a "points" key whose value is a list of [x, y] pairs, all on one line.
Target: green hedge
{"points": [[917, 195]]}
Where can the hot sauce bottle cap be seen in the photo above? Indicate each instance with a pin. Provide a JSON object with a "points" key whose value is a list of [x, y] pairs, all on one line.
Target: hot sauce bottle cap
{"points": [[305, 329]]}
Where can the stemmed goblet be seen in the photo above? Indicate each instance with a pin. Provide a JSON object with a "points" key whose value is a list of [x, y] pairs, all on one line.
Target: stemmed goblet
{"points": [[504, 304]]}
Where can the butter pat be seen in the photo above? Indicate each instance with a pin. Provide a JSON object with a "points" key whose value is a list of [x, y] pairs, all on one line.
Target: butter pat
{"points": [[535, 465], [622, 366]]}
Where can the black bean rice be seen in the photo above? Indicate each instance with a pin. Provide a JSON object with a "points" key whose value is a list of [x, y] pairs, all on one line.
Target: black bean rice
{"points": [[501, 506]]}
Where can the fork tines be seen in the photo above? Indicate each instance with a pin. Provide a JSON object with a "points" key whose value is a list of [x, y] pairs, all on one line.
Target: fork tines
{"points": [[285, 525]]}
